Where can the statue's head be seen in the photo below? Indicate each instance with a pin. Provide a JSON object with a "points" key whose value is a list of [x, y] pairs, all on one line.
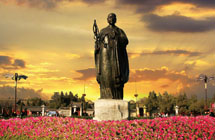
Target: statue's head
{"points": [[111, 18]]}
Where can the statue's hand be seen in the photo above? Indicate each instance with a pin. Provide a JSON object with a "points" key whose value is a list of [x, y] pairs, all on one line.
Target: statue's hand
{"points": [[97, 46], [118, 80]]}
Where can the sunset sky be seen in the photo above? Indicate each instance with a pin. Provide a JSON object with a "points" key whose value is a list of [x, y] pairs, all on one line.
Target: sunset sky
{"points": [[171, 42]]}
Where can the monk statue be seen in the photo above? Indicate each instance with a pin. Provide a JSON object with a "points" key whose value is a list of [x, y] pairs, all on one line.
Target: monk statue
{"points": [[111, 59]]}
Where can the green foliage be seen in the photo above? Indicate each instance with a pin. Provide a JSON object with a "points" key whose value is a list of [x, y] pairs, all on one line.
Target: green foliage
{"points": [[183, 102], [152, 102], [83, 117], [35, 102], [64, 100], [165, 103], [139, 118], [197, 107]]}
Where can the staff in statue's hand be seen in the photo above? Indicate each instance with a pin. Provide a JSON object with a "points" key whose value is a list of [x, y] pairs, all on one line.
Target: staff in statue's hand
{"points": [[96, 34], [95, 31]]}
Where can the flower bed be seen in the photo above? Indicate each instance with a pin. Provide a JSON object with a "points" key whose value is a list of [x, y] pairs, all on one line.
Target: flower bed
{"points": [[201, 127]]}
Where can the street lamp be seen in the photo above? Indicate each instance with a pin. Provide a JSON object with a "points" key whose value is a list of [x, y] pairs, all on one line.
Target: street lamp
{"points": [[136, 95], [176, 110], [206, 79], [144, 111], [83, 103], [16, 78], [84, 88]]}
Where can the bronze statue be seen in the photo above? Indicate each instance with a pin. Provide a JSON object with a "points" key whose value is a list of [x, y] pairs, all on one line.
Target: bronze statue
{"points": [[111, 59]]}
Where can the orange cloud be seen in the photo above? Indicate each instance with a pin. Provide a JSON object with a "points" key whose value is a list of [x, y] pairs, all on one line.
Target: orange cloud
{"points": [[178, 52], [157, 74], [86, 74]]}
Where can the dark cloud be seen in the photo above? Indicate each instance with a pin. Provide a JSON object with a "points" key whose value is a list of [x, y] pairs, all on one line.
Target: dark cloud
{"points": [[202, 3], [93, 1], [47, 4], [156, 74], [144, 6], [6, 62], [19, 63], [43, 4], [172, 23], [86, 74], [175, 52], [168, 52], [8, 92], [177, 23]]}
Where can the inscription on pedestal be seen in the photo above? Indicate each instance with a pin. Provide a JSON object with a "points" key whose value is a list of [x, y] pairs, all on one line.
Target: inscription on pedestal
{"points": [[110, 109]]}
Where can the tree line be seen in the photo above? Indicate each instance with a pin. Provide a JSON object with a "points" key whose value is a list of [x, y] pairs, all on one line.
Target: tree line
{"points": [[57, 100], [166, 103], [155, 103]]}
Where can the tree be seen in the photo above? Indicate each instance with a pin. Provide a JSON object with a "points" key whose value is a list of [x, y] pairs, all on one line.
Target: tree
{"points": [[197, 108], [66, 94], [166, 103], [67, 99], [152, 103], [35, 102], [63, 100], [143, 100], [61, 97], [82, 98], [75, 98], [71, 96], [55, 102], [183, 103]]}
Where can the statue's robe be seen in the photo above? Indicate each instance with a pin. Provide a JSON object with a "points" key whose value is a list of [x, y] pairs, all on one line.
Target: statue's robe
{"points": [[111, 59]]}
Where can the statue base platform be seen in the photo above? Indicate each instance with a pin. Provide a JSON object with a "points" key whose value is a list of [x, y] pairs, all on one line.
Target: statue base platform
{"points": [[111, 109]]}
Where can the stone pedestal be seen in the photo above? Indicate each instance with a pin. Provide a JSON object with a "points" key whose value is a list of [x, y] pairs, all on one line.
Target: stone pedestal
{"points": [[111, 109]]}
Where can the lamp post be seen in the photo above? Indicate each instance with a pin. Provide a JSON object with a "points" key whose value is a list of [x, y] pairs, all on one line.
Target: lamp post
{"points": [[144, 111], [206, 79], [43, 110], [84, 87], [83, 95], [176, 110], [16, 78], [137, 108], [83, 100], [136, 95], [83, 103]]}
